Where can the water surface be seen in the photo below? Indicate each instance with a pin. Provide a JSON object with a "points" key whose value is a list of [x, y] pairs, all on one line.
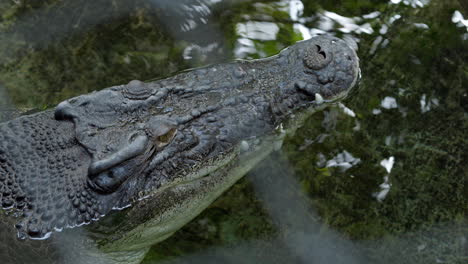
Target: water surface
{"points": [[379, 178]]}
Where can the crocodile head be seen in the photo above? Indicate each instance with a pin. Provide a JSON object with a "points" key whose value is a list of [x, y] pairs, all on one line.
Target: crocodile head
{"points": [[166, 148]]}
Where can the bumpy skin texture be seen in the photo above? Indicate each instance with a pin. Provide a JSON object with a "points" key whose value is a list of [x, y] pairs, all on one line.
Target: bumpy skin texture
{"points": [[110, 148]]}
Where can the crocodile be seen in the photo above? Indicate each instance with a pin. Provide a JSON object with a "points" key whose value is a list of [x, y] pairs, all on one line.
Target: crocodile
{"points": [[160, 152]]}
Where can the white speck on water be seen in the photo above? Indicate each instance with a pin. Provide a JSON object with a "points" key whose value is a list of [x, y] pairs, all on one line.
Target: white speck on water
{"points": [[346, 110], [375, 44], [188, 25], [412, 3], [305, 32], [343, 160], [296, 9], [329, 19], [383, 29], [389, 102], [394, 18], [458, 19], [421, 25], [384, 190], [388, 164], [202, 9], [252, 30], [203, 51], [372, 15], [426, 105], [382, 194], [257, 30], [245, 41], [244, 46]]}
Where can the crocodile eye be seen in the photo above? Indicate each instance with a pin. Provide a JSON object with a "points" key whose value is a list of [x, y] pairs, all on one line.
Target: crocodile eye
{"points": [[317, 57], [166, 138], [162, 129]]}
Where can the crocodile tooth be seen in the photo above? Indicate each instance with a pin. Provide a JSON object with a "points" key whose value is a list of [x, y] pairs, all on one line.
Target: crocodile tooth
{"points": [[244, 146], [318, 98]]}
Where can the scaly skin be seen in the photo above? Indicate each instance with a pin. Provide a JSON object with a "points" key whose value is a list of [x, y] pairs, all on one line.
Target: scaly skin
{"points": [[167, 147]]}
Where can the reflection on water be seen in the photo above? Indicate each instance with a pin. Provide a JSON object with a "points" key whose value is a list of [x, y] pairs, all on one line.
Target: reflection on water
{"points": [[380, 178], [458, 19], [330, 20], [385, 186], [389, 102], [343, 161]]}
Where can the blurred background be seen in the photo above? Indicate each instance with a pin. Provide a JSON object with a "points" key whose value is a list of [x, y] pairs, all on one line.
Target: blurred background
{"points": [[379, 178]]}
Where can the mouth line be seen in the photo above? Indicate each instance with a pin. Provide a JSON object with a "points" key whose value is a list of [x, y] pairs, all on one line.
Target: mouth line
{"points": [[158, 191], [202, 171], [162, 189]]}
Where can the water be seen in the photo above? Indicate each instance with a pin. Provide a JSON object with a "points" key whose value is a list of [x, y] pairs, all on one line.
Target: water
{"points": [[381, 178]]}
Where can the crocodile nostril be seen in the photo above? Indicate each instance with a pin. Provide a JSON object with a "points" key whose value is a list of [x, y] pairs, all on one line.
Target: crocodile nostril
{"points": [[317, 57], [321, 52]]}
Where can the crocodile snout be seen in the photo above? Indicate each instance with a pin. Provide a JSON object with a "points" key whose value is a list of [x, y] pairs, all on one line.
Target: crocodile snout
{"points": [[330, 68]]}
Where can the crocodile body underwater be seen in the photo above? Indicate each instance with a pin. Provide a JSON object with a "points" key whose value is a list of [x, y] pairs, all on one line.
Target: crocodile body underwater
{"points": [[160, 151]]}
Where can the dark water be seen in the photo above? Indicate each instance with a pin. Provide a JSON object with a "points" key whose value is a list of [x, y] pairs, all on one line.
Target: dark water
{"points": [[380, 178]]}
